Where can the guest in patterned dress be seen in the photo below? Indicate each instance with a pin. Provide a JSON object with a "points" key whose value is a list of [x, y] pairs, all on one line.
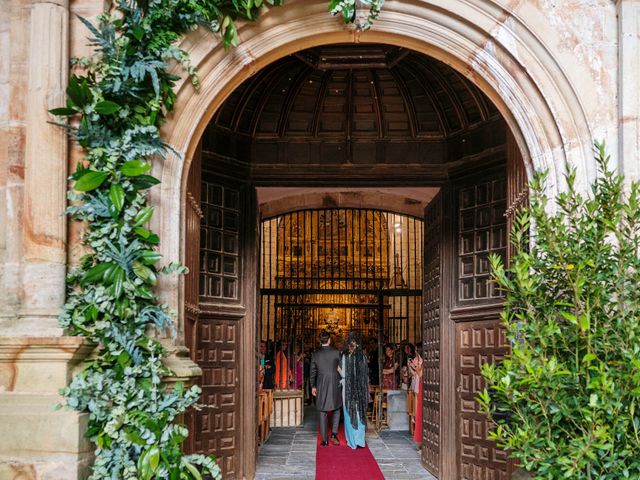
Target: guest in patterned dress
{"points": [[389, 368]]}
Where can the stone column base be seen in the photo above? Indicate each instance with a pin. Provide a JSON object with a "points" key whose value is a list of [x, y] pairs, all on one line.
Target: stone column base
{"points": [[38, 442], [183, 368]]}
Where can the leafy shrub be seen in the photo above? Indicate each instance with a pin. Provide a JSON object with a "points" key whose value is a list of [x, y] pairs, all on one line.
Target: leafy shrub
{"points": [[566, 401]]}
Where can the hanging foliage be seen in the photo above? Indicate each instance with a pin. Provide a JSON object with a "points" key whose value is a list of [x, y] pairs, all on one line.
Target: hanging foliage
{"points": [[120, 96]]}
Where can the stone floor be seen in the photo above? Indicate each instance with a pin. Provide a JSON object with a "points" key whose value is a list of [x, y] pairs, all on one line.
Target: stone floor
{"points": [[290, 453]]}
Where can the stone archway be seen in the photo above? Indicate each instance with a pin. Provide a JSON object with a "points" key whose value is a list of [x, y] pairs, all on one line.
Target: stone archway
{"points": [[485, 42]]}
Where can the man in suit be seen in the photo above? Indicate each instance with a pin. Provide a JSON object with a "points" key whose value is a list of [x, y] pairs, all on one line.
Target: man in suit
{"points": [[325, 386]]}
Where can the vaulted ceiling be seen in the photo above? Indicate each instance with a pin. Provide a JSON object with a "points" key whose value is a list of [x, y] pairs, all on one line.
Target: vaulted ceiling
{"points": [[353, 92]]}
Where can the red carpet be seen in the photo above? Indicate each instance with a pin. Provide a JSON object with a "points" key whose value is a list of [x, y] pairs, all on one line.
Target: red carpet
{"points": [[335, 462]]}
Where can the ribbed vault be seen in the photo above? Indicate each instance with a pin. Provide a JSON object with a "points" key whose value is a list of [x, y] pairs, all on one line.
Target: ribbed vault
{"points": [[355, 92]]}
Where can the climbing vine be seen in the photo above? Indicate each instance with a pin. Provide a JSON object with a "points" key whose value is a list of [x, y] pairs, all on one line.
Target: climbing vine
{"points": [[118, 98]]}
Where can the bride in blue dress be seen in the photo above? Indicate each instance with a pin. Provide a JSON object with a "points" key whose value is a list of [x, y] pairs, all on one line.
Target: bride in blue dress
{"points": [[355, 390]]}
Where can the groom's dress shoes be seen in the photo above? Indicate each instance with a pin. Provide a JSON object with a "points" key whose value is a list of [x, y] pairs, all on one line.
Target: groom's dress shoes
{"points": [[334, 440], [324, 444]]}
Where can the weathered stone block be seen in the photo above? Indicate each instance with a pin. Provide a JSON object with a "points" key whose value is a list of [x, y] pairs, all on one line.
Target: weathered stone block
{"points": [[36, 441]]}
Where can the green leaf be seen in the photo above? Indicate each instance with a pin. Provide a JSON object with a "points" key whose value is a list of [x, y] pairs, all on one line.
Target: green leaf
{"points": [[570, 316], [148, 462], [107, 107], [192, 470], [142, 271], [124, 360], [144, 292], [78, 91], [142, 232], [585, 322], [97, 272], [133, 168], [63, 112], [138, 32], [117, 195], [142, 182], [149, 257], [134, 437], [90, 180], [118, 282], [143, 216], [153, 239]]}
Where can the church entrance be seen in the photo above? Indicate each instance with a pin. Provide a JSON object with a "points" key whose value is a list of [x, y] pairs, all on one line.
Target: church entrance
{"points": [[349, 187], [337, 270]]}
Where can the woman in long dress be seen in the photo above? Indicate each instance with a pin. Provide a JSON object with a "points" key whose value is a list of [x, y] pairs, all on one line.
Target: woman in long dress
{"points": [[355, 390], [283, 375], [416, 366]]}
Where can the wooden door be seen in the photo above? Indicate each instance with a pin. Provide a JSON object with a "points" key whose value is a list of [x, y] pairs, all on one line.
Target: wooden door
{"points": [[431, 345], [222, 339], [480, 230], [484, 206]]}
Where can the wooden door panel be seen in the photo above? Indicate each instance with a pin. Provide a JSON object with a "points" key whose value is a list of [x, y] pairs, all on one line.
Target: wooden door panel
{"points": [[216, 425], [219, 301], [477, 342], [481, 231], [431, 298]]}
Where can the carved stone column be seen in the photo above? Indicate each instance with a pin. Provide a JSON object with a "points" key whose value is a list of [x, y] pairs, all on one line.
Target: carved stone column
{"points": [[36, 361], [44, 237], [629, 87]]}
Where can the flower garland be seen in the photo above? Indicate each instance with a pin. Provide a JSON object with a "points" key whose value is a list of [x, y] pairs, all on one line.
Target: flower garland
{"points": [[120, 97]]}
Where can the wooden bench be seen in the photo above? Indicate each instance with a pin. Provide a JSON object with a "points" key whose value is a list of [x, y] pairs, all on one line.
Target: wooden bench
{"points": [[265, 408], [411, 410]]}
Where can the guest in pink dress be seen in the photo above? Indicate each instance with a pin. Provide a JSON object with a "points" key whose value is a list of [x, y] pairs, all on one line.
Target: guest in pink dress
{"points": [[416, 366]]}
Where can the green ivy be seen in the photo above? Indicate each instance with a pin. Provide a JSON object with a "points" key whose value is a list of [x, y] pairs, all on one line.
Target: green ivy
{"points": [[347, 10], [566, 401], [120, 98]]}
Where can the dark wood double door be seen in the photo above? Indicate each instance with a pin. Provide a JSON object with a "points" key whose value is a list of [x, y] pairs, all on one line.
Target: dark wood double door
{"points": [[461, 330], [467, 221]]}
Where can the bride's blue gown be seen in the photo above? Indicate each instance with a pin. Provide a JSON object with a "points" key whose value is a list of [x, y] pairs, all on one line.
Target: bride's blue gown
{"points": [[354, 436]]}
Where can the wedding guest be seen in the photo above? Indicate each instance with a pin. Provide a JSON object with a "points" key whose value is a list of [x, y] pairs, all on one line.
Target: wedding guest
{"points": [[266, 362], [409, 353], [355, 390], [325, 386], [283, 370], [389, 368], [416, 368]]}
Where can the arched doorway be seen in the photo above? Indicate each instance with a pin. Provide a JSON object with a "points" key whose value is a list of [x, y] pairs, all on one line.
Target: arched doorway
{"points": [[355, 116], [496, 53]]}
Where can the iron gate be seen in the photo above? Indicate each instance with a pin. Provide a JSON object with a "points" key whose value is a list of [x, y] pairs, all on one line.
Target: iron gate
{"points": [[337, 270]]}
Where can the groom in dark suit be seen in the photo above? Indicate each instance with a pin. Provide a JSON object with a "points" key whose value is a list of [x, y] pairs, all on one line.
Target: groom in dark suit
{"points": [[325, 386]]}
